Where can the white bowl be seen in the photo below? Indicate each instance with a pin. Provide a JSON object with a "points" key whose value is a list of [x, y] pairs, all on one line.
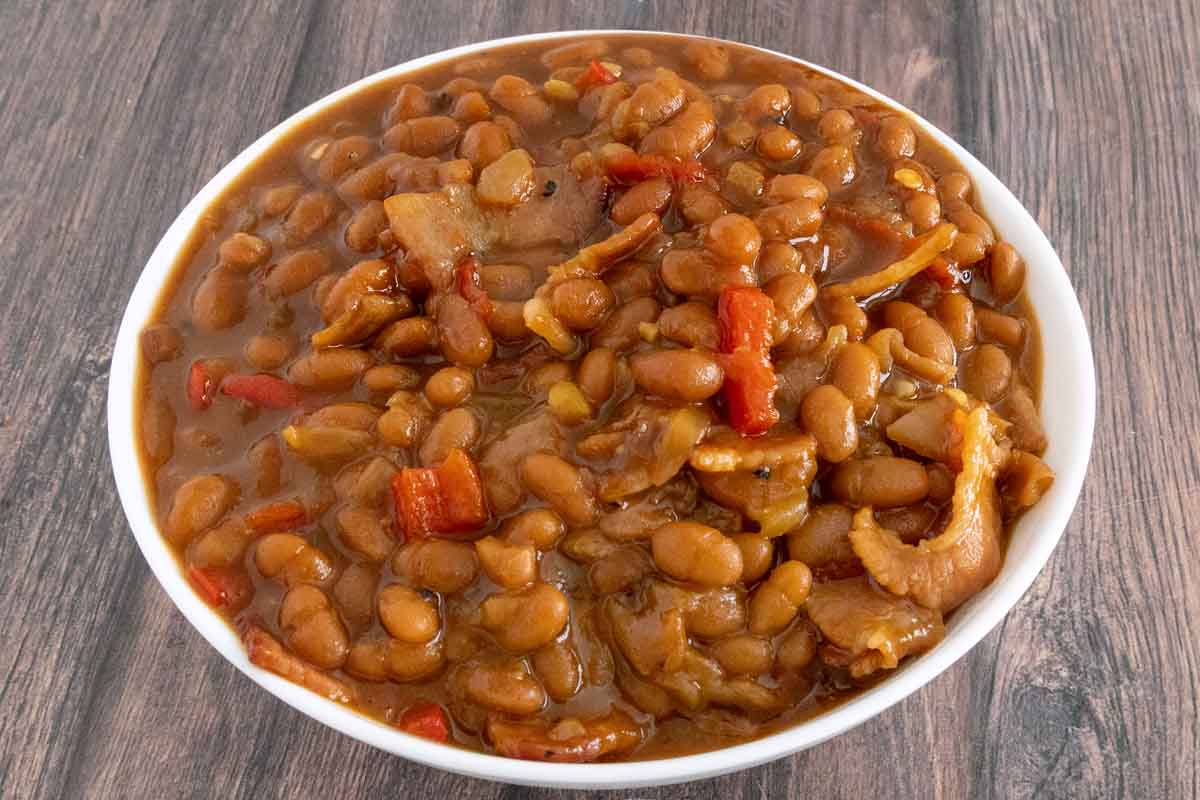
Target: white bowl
{"points": [[1068, 411]]}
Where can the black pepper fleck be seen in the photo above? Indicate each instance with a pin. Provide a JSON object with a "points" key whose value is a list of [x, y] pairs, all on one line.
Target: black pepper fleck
{"points": [[762, 473], [551, 188]]}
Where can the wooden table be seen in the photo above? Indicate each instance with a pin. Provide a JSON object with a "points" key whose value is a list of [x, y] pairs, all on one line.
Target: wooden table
{"points": [[113, 114]]}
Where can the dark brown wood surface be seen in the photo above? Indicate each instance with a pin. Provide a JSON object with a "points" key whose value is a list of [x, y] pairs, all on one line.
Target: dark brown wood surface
{"points": [[113, 113]]}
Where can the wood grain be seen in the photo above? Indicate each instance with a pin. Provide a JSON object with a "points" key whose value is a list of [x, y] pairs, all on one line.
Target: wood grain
{"points": [[115, 112]]}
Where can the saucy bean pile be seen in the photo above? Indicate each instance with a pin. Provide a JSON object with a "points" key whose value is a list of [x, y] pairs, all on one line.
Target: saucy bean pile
{"points": [[611, 398]]}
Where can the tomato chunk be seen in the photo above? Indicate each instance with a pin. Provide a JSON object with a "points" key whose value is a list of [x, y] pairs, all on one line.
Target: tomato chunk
{"points": [[445, 499], [200, 386], [749, 392], [426, 719], [746, 316], [595, 75], [632, 168], [470, 286], [221, 586], [281, 516], [262, 390]]}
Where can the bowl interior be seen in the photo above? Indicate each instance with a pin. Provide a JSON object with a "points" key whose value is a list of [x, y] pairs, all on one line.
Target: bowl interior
{"points": [[1068, 410]]}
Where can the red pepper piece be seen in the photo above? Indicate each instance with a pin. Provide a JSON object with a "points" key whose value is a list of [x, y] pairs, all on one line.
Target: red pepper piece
{"points": [[943, 273], [446, 499], [281, 516], [632, 168], [595, 75], [749, 392], [470, 286], [747, 317], [221, 587], [462, 491], [262, 390], [419, 506], [425, 719], [200, 386]]}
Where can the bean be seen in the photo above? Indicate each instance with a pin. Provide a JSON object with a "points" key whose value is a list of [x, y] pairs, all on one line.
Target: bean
{"points": [[411, 101], [509, 565], [540, 527], [521, 99], [710, 60], [295, 272], [689, 551], [160, 342], [954, 186], [824, 536], [795, 186], [506, 281], [631, 279], [778, 143], [408, 337], [407, 615], [924, 210], [757, 553], [405, 420], [329, 370], [845, 311], [436, 564], [597, 375], [767, 101], [471, 107], [679, 376], [797, 649], [620, 570], [967, 249], [507, 322], [365, 277], [743, 654], [774, 604], [941, 482], [956, 312], [922, 334], [558, 668], [986, 373], [199, 504], [266, 463], [449, 386], [895, 138], [1006, 273], [620, 331], [483, 143], [700, 205], [560, 484], [362, 531], [829, 416], [422, 136], [794, 219], [855, 371], [276, 201], [267, 351], [652, 195], [733, 239], [693, 324], [158, 429], [778, 259], [806, 104], [834, 166], [312, 628], [582, 303], [362, 233], [345, 155], [1000, 328], [793, 294], [504, 686], [456, 428], [293, 560], [716, 613], [463, 337], [220, 300], [523, 620], [880, 481], [390, 378], [243, 252], [354, 594], [311, 212], [375, 181]]}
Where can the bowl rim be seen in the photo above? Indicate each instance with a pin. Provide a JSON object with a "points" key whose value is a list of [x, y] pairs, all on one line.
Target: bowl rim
{"points": [[1071, 446]]}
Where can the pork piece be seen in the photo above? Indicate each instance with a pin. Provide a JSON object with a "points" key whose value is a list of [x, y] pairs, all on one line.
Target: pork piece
{"points": [[500, 458], [875, 629], [569, 740], [438, 229], [564, 218], [942, 572]]}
